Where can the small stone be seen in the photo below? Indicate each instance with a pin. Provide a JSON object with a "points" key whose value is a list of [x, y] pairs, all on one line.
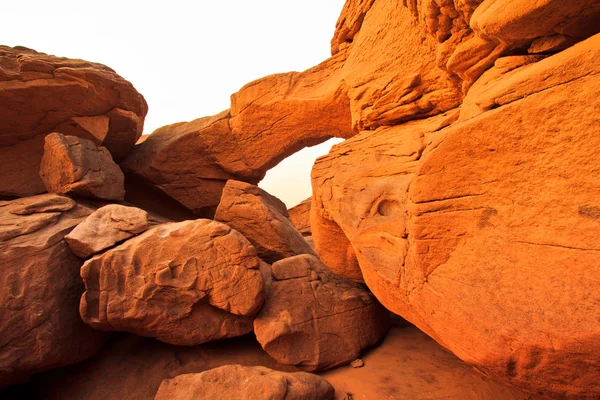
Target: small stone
{"points": [[358, 363]]}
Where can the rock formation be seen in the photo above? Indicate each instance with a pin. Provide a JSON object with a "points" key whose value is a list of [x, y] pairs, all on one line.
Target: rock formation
{"points": [[76, 167], [40, 94], [262, 219], [183, 283], [315, 320], [106, 227], [300, 217], [40, 288], [238, 382]]}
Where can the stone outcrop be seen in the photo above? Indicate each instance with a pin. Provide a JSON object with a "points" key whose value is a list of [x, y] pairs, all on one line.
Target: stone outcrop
{"points": [[106, 227], [239, 382], [467, 228], [40, 94], [315, 320], [40, 288], [183, 283], [76, 167], [262, 219], [300, 217]]}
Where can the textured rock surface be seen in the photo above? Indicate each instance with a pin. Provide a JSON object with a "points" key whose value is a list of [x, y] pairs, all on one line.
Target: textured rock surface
{"points": [[262, 219], [75, 166], [315, 320], [239, 382], [300, 217], [40, 288], [183, 283], [468, 228], [40, 94], [106, 227]]}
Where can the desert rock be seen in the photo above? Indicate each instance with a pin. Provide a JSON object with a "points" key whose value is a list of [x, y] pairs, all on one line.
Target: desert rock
{"points": [[262, 219], [106, 227], [40, 288], [183, 283], [239, 382], [300, 216], [315, 320], [467, 228], [40, 94], [75, 166]]}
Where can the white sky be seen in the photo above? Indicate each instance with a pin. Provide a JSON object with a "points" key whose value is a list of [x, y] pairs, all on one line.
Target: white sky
{"points": [[187, 57]]}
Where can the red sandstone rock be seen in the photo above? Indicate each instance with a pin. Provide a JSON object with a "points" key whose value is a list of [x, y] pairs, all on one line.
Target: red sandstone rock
{"points": [[106, 227], [183, 283], [467, 230], [300, 216], [315, 320], [262, 219], [76, 167], [238, 382], [40, 94], [40, 288]]}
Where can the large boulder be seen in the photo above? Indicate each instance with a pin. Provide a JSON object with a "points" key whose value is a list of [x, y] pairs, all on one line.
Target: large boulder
{"points": [[106, 227], [76, 167], [239, 382], [315, 320], [40, 94], [183, 283], [40, 288], [467, 230], [262, 219], [300, 217]]}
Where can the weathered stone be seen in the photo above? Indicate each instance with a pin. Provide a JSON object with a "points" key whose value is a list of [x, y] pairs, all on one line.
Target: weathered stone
{"points": [[252, 383], [466, 231], [262, 219], [75, 166], [40, 288], [40, 94], [183, 283], [106, 227], [300, 217], [315, 320]]}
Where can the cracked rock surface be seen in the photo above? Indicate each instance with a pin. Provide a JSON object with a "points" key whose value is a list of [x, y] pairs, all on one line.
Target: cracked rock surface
{"points": [[251, 383], [262, 219], [483, 233], [40, 288], [316, 320], [183, 283], [106, 227], [75, 166]]}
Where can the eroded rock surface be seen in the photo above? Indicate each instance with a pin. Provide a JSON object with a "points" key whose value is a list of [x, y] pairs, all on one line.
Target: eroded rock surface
{"points": [[315, 320], [183, 283], [300, 217], [76, 167], [239, 382], [468, 229], [262, 219], [40, 94], [40, 288], [106, 227]]}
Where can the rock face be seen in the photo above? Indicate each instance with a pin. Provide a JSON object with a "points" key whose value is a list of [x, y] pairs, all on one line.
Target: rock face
{"points": [[262, 219], [183, 283], [40, 94], [106, 227], [467, 228], [238, 382], [40, 288], [300, 217], [315, 320], [76, 167]]}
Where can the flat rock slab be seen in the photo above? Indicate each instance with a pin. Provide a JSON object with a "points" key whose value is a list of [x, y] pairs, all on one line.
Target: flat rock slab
{"points": [[251, 383], [106, 227], [183, 283]]}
